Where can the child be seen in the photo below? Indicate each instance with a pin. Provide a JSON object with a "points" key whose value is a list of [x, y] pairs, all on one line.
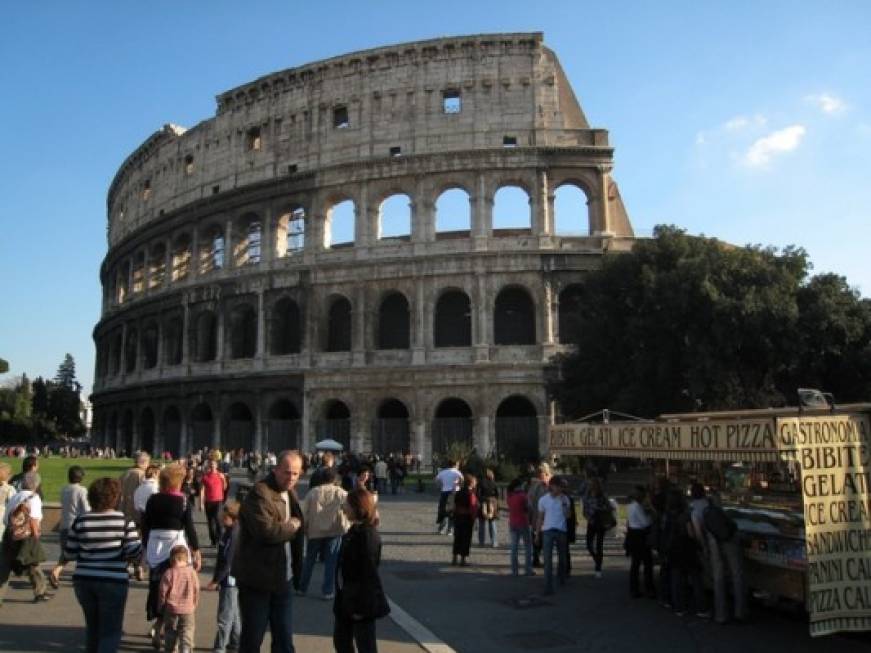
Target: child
{"points": [[229, 622], [177, 601]]}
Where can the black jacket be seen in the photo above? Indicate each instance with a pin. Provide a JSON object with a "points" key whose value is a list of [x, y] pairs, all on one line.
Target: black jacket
{"points": [[358, 587]]}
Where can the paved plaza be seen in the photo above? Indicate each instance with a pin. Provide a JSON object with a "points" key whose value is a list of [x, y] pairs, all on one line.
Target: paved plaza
{"points": [[480, 608]]}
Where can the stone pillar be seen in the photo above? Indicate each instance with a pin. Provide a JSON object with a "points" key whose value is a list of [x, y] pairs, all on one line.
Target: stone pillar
{"points": [[482, 435], [547, 316], [420, 444], [418, 325], [261, 325], [482, 213], [482, 315], [185, 331], [359, 339], [184, 444], [259, 443], [267, 237], [217, 423], [146, 270], [604, 209], [229, 258], [306, 424], [542, 206], [219, 336], [195, 252], [167, 264], [365, 222]]}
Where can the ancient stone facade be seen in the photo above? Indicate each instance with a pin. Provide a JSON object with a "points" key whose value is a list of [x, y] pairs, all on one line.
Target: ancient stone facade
{"points": [[237, 313]]}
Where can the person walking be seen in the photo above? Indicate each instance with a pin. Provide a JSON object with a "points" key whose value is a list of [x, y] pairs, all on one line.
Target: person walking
{"points": [[360, 598], [73, 502], [466, 509], [448, 481], [639, 521], [177, 601], [552, 529], [519, 526], [381, 476], [600, 518], [488, 499], [538, 485], [325, 523], [101, 542], [229, 622], [22, 550], [213, 488], [269, 555]]}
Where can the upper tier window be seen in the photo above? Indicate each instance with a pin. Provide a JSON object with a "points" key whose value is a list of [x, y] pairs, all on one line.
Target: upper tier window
{"points": [[451, 102], [252, 140], [340, 118]]}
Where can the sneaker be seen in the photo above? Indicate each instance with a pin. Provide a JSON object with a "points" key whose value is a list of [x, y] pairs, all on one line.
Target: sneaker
{"points": [[328, 597], [41, 598]]}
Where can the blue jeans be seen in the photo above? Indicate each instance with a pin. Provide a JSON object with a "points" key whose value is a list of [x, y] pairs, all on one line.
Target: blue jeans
{"points": [[489, 525], [518, 534], [550, 539], [328, 548], [229, 622], [103, 605], [260, 609]]}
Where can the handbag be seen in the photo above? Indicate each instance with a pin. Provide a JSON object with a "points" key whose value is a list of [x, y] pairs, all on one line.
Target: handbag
{"points": [[605, 519], [490, 508]]}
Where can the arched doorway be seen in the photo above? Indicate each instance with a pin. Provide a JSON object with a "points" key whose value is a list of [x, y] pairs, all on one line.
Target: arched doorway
{"points": [[517, 430], [339, 325], [125, 442], [453, 424], [172, 432], [202, 427], [336, 423], [453, 320], [391, 432], [147, 429], [285, 332], [282, 430], [514, 318], [239, 433], [394, 325]]}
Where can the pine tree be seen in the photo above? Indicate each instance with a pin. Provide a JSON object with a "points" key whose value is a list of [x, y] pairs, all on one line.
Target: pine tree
{"points": [[66, 373]]}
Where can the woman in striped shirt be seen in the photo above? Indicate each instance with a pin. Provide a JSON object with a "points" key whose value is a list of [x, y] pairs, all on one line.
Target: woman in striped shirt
{"points": [[101, 542]]}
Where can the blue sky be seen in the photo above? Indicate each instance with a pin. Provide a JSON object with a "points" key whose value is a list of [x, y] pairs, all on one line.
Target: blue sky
{"points": [[749, 121]]}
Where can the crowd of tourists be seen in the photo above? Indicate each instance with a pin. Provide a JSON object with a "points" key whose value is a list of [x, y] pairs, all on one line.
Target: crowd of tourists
{"points": [[682, 531]]}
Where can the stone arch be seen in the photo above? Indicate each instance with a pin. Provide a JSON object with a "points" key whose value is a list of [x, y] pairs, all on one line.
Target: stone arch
{"points": [[247, 239], [290, 232], [202, 426], [122, 283], [205, 336], [335, 422], [394, 217], [138, 272], [213, 248], [181, 257], [173, 337], [571, 210], [125, 440], [147, 430], [150, 344], [452, 322], [112, 436], [172, 431], [570, 305], [282, 426], [131, 350], [514, 317], [394, 322], [239, 427], [517, 430], [339, 325], [339, 224], [453, 422], [453, 212], [391, 431], [285, 327], [512, 208], [243, 331], [157, 265]]}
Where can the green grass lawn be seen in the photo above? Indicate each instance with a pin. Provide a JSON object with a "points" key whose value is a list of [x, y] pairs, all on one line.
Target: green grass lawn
{"points": [[54, 471]]}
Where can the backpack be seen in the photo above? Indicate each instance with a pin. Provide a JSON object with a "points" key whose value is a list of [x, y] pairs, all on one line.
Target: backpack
{"points": [[718, 523], [20, 522]]}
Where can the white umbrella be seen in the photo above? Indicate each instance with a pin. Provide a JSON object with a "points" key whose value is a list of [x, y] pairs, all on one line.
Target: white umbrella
{"points": [[330, 445]]}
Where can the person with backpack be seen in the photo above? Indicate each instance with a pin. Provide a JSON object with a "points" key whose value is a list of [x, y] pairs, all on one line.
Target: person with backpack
{"points": [[717, 534], [22, 550], [600, 518], [681, 556]]}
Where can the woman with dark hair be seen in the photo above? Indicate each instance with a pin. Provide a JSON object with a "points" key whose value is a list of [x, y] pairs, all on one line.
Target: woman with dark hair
{"points": [[167, 522], [466, 507], [360, 599], [101, 542], [600, 517], [488, 498]]}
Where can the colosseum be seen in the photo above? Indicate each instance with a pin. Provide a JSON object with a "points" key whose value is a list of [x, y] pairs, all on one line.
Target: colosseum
{"points": [[340, 252]]}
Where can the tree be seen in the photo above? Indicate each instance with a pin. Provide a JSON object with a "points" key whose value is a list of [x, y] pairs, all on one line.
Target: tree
{"points": [[66, 373], [40, 397], [685, 323], [4, 366]]}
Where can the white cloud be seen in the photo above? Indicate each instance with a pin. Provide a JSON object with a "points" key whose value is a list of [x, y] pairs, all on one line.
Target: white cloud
{"points": [[740, 122], [701, 138], [827, 103], [785, 140]]}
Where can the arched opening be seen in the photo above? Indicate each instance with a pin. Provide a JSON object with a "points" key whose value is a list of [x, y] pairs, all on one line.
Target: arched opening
{"points": [[115, 353], [570, 306], [150, 336], [290, 235], [453, 424], [394, 218], [517, 430], [202, 427], [157, 266], [243, 332], [112, 433], [512, 210], [514, 318], [453, 214], [339, 225], [453, 320], [391, 433], [339, 325], [131, 350], [336, 423], [172, 431], [122, 283], [172, 341], [571, 214], [393, 322], [181, 257], [239, 433], [246, 237], [139, 272], [205, 337], [212, 253], [283, 426], [126, 439], [147, 428], [285, 328]]}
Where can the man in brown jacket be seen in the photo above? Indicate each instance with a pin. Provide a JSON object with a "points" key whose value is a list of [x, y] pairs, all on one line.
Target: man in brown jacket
{"points": [[270, 541]]}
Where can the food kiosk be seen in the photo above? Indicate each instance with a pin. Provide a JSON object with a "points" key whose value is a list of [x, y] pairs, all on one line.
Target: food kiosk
{"points": [[797, 482]]}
